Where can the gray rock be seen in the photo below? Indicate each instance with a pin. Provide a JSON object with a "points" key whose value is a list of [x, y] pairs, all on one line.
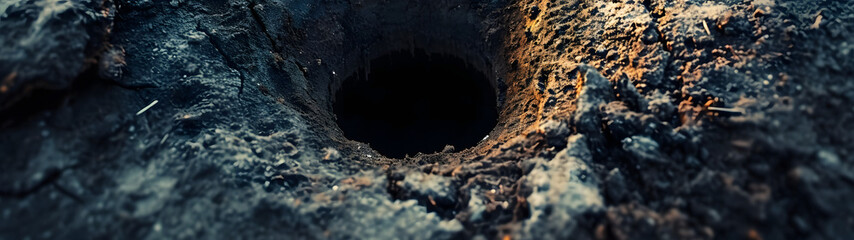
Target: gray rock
{"points": [[644, 149], [46, 44], [429, 188], [556, 132], [564, 188]]}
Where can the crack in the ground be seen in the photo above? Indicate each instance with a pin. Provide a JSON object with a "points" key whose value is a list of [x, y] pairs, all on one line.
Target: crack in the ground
{"points": [[656, 19], [67, 192], [228, 61], [50, 176], [257, 18]]}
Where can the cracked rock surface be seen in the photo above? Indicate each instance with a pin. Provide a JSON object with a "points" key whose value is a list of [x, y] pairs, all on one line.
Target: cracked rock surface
{"points": [[653, 119]]}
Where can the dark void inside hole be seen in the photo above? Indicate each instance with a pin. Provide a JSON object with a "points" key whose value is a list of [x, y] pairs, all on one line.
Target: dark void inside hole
{"points": [[410, 102]]}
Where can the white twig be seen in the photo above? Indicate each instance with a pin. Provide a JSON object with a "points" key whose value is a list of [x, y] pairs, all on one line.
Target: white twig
{"points": [[728, 110], [706, 26], [146, 108], [164, 139]]}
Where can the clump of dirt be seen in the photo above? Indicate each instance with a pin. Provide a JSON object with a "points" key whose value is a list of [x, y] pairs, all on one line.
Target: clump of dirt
{"points": [[615, 120]]}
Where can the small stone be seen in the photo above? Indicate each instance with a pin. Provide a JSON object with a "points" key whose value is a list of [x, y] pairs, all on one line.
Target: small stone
{"points": [[331, 154], [191, 69], [448, 149], [643, 148], [828, 158], [556, 132], [428, 187], [650, 36], [196, 36]]}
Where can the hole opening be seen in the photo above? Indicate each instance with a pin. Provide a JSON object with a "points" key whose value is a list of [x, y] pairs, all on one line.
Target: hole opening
{"points": [[409, 102]]}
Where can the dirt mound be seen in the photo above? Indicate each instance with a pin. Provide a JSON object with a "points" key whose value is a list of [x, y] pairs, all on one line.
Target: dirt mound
{"points": [[615, 119]]}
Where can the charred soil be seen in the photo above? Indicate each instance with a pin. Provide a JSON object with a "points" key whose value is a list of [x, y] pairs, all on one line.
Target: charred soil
{"points": [[416, 119]]}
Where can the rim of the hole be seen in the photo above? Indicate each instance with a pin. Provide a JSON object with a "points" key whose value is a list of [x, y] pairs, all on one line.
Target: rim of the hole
{"points": [[491, 76]]}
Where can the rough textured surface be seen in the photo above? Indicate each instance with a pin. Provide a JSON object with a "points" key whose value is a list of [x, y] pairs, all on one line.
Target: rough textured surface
{"points": [[686, 119], [47, 44]]}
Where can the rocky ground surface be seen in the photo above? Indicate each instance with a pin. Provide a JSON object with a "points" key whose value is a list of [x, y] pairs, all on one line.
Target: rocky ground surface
{"points": [[654, 119]]}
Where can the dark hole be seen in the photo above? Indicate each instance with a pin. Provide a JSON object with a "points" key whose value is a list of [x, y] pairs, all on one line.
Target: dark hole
{"points": [[410, 102]]}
